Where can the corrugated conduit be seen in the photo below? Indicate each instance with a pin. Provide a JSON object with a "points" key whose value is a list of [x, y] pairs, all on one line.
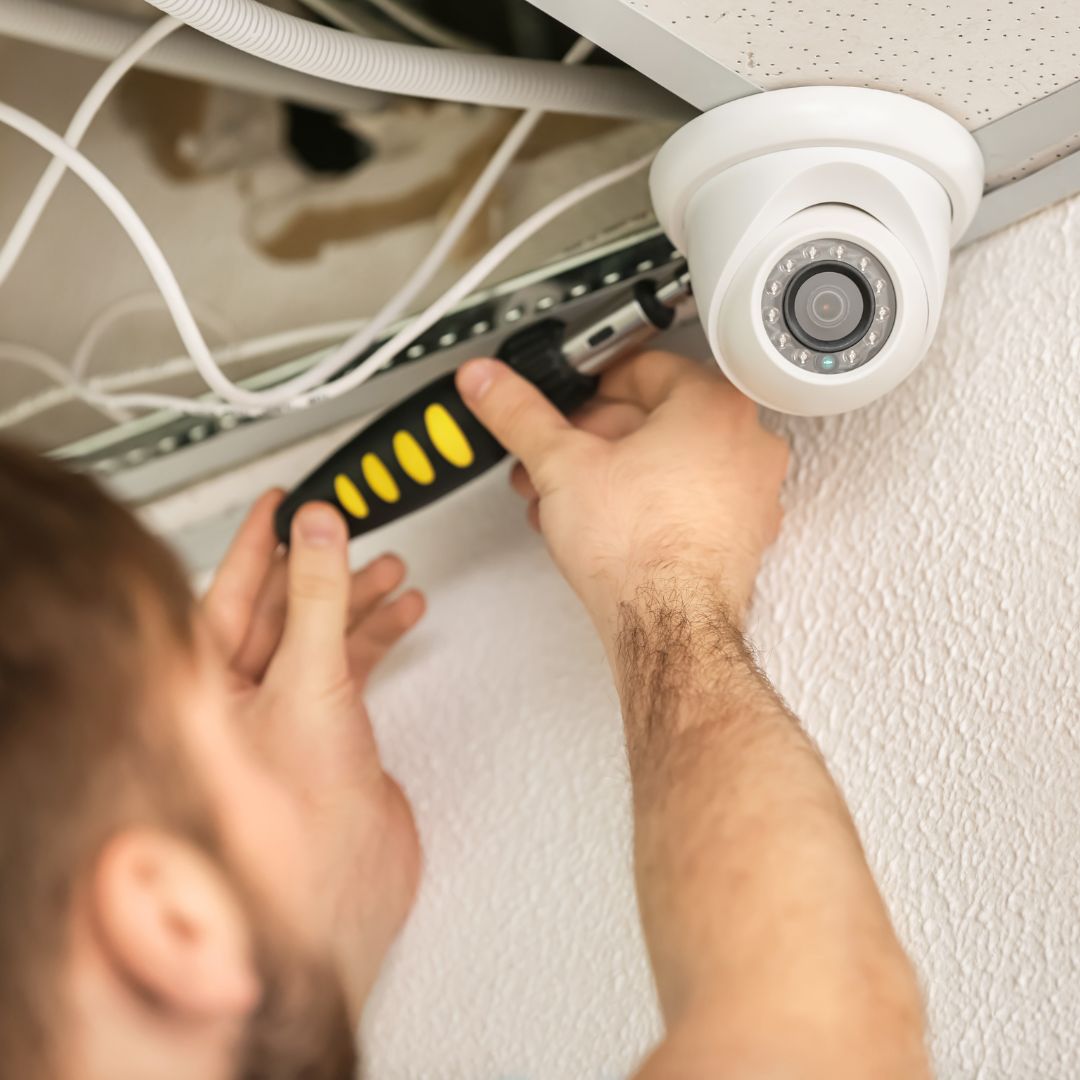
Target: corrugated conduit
{"points": [[395, 68], [105, 36]]}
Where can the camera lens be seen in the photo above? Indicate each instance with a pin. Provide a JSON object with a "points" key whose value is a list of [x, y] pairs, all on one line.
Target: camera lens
{"points": [[828, 306]]}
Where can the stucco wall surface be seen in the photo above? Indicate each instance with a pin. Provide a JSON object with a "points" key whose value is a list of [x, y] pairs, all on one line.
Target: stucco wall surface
{"points": [[921, 614]]}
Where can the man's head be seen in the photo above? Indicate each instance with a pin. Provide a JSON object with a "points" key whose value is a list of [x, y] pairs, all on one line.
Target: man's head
{"points": [[162, 894]]}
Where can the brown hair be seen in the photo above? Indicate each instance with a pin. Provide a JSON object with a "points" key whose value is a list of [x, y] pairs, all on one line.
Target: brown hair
{"points": [[88, 599]]}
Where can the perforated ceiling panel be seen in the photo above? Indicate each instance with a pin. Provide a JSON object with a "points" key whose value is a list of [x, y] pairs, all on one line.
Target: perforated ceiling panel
{"points": [[979, 60]]}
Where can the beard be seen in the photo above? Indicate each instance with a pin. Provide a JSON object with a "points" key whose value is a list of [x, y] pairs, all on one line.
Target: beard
{"points": [[301, 1030]]}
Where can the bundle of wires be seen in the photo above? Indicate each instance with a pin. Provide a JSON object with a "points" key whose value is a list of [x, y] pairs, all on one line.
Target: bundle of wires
{"points": [[323, 379]]}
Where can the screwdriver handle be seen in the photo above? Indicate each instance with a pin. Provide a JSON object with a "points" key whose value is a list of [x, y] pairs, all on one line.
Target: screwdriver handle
{"points": [[430, 444]]}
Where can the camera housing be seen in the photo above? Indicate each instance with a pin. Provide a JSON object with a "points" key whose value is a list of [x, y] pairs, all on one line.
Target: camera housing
{"points": [[817, 224]]}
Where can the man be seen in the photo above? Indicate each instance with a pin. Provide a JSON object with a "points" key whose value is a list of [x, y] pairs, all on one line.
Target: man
{"points": [[204, 863]]}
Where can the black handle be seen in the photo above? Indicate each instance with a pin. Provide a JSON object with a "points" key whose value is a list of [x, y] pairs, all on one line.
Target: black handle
{"points": [[431, 444]]}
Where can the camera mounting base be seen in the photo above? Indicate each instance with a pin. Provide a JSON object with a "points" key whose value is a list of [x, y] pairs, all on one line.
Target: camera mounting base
{"points": [[821, 117]]}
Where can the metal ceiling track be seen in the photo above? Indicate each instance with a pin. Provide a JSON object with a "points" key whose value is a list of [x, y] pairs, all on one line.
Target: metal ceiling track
{"points": [[154, 455], [165, 451], [1043, 128]]}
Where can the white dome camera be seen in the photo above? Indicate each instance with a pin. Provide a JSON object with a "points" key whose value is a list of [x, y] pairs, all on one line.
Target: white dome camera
{"points": [[817, 224]]}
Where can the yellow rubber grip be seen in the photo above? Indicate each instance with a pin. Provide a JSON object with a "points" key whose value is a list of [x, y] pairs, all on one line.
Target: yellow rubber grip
{"points": [[447, 437], [412, 459], [379, 479], [348, 494]]}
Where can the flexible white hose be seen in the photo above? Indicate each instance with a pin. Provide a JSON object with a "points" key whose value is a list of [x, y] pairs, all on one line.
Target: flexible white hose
{"points": [[80, 123], [395, 68], [189, 55], [185, 322]]}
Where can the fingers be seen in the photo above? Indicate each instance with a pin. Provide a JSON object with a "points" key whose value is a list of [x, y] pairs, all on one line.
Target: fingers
{"points": [[372, 585], [231, 599], [602, 417], [609, 419], [318, 586], [266, 626], [369, 587], [513, 410], [532, 515], [521, 484], [648, 379], [376, 635]]}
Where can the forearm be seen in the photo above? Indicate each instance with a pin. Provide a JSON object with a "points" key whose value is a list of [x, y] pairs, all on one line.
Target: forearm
{"points": [[769, 941]]}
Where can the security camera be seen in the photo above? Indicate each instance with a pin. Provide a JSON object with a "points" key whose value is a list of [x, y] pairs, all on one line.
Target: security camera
{"points": [[817, 223]]}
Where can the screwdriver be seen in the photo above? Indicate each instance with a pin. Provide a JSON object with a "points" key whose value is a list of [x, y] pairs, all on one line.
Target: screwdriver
{"points": [[430, 444]]}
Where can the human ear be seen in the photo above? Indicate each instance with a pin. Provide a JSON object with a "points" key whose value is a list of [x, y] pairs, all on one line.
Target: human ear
{"points": [[173, 925]]}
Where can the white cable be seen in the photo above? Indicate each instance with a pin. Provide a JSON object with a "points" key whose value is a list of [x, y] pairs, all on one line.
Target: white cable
{"points": [[104, 35], [50, 367], [108, 404], [419, 25], [120, 309], [345, 15], [185, 322], [328, 53], [390, 313], [474, 277], [140, 236], [80, 124], [401, 302], [104, 386]]}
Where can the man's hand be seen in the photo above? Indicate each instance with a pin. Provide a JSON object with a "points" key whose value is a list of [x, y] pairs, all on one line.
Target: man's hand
{"points": [[302, 635], [772, 951], [666, 472]]}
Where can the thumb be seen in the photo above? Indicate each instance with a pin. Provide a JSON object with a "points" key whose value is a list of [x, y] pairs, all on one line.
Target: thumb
{"points": [[313, 644], [513, 410]]}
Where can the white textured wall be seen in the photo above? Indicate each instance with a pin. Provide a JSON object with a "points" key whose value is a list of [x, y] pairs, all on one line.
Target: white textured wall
{"points": [[921, 614]]}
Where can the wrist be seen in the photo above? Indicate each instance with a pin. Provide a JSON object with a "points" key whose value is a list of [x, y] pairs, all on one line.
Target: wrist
{"points": [[658, 596], [679, 656]]}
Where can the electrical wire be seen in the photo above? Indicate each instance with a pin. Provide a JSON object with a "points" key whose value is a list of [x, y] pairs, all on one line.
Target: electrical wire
{"points": [[104, 35], [71, 378], [190, 334], [135, 227], [397, 306], [419, 25], [51, 368], [202, 357], [84, 116], [104, 386], [474, 277], [120, 309], [393, 22], [255, 403], [400, 303], [419, 71]]}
